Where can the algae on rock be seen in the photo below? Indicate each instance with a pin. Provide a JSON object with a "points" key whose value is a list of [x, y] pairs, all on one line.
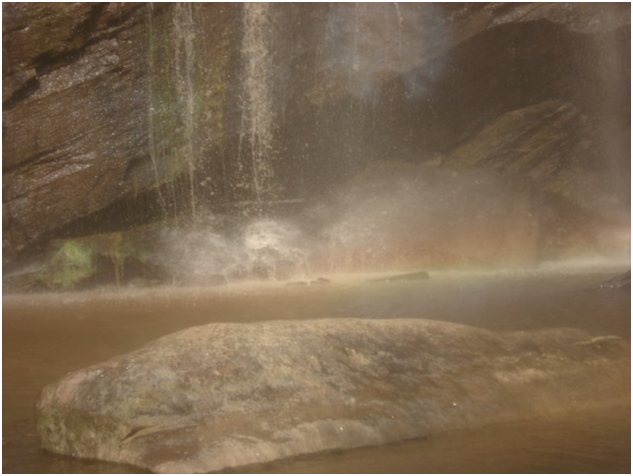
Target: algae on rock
{"points": [[71, 264]]}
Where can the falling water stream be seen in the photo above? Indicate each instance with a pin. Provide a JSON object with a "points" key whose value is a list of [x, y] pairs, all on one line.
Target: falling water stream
{"points": [[172, 114], [184, 33], [257, 129]]}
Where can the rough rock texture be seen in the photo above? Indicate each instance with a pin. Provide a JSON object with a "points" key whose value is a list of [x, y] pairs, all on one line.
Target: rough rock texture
{"points": [[549, 151], [224, 395], [74, 112], [86, 88]]}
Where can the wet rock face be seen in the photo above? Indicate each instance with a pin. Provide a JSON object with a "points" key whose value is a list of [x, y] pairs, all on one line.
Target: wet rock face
{"points": [[90, 92], [535, 94], [527, 94], [74, 112], [225, 395], [479, 63]]}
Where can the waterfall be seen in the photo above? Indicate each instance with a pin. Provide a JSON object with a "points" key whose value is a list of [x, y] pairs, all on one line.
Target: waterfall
{"points": [[153, 126], [184, 35], [371, 44], [172, 112], [256, 150], [185, 95]]}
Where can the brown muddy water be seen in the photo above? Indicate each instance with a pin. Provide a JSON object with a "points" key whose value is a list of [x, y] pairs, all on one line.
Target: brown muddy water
{"points": [[46, 336]]}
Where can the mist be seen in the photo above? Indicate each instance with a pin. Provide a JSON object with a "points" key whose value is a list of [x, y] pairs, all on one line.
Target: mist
{"points": [[261, 237]]}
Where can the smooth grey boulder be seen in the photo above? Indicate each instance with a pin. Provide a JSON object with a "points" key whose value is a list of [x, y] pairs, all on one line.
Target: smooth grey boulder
{"points": [[226, 395]]}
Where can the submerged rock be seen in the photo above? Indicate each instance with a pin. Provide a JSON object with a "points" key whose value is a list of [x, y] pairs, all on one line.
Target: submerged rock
{"points": [[416, 276], [296, 283], [622, 281], [226, 395]]}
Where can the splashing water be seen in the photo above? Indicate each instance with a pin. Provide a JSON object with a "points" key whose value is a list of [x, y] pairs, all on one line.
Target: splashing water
{"points": [[261, 249]]}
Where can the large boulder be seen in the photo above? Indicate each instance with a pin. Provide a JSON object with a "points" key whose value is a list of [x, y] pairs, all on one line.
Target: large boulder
{"points": [[225, 395]]}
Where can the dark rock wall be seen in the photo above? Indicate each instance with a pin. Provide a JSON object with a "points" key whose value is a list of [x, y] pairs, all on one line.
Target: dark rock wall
{"points": [[74, 112], [538, 94]]}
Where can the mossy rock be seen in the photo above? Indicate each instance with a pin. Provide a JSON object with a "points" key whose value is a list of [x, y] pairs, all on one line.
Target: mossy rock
{"points": [[70, 265]]}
